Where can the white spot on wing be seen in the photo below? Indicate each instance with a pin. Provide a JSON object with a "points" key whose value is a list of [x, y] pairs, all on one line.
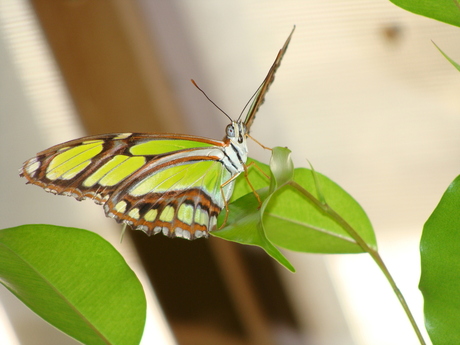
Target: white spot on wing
{"points": [[186, 234], [32, 166], [144, 228]]}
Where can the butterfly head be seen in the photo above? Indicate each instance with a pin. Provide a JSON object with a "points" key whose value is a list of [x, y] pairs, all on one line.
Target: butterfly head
{"points": [[236, 132]]}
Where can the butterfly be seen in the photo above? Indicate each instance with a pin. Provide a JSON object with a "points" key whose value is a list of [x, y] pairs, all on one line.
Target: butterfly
{"points": [[159, 183]]}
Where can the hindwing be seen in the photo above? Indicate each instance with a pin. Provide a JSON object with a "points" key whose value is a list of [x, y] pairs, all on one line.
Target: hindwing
{"points": [[154, 183]]}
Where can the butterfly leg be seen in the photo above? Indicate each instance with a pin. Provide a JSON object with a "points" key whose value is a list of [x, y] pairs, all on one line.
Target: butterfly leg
{"points": [[231, 179], [254, 164], [260, 144], [246, 175]]}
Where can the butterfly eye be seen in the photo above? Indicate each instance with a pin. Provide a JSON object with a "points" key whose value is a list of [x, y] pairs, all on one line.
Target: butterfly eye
{"points": [[230, 131]]}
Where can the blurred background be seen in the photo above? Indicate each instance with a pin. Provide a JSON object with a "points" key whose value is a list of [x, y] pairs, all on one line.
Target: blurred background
{"points": [[362, 93]]}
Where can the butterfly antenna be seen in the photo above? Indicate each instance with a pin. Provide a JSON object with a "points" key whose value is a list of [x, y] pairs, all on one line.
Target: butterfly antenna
{"points": [[210, 100], [250, 99]]}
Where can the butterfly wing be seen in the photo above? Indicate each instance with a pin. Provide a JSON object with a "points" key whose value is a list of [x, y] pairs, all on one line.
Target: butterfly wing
{"points": [[260, 96], [154, 183]]}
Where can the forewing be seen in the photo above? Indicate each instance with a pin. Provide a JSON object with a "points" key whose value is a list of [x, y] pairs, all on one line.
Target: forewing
{"points": [[260, 96]]}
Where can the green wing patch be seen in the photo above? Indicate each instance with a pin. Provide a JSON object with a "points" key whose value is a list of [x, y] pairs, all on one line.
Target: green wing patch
{"points": [[157, 147]]}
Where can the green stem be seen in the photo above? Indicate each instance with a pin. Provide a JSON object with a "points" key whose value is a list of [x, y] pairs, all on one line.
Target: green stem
{"points": [[372, 252]]}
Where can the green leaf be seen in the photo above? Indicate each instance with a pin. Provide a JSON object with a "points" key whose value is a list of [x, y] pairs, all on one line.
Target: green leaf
{"points": [[456, 65], [294, 222], [440, 261], [447, 11], [75, 280], [243, 226]]}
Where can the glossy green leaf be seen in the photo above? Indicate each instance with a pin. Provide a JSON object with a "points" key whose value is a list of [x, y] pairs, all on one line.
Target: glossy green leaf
{"points": [[290, 219], [243, 226], [440, 261], [447, 11], [456, 65], [294, 222], [75, 280]]}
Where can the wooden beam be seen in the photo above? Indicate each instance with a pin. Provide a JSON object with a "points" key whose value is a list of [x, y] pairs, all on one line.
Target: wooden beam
{"points": [[109, 65]]}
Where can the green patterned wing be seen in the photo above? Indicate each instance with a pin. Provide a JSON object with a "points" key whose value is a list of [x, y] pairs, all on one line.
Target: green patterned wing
{"points": [[154, 183]]}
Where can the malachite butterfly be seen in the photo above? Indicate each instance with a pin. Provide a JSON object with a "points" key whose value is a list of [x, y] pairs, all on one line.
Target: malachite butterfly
{"points": [[170, 183]]}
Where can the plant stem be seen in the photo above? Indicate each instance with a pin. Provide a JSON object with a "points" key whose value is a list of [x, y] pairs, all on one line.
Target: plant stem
{"points": [[372, 252]]}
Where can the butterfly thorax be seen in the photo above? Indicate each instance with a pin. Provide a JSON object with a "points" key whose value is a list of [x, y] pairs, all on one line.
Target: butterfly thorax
{"points": [[235, 149]]}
